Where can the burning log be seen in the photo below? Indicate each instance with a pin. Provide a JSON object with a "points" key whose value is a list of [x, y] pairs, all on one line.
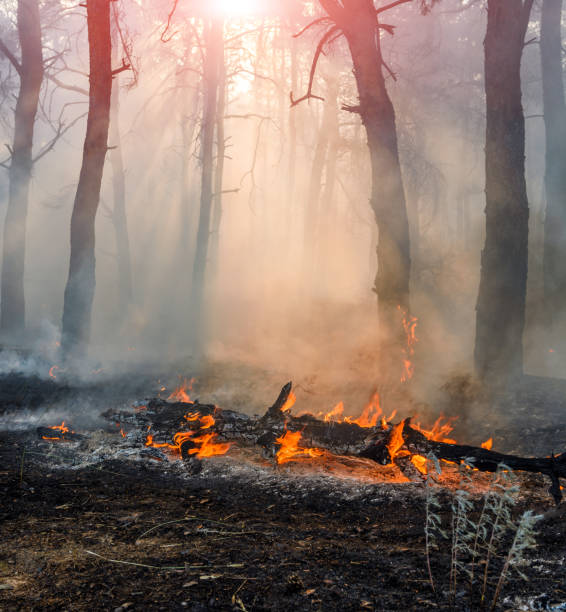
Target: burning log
{"points": [[209, 430], [58, 433]]}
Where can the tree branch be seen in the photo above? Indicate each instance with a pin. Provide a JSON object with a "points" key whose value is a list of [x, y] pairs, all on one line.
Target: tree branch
{"points": [[387, 7], [11, 57], [329, 34]]}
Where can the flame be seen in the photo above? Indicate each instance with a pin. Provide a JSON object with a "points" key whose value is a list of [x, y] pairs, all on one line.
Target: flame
{"points": [[289, 402], [52, 371], [180, 393], [396, 440], [337, 411], [439, 430], [487, 444], [368, 418], [61, 428], [410, 327], [121, 430], [205, 446], [291, 451], [420, 463]]}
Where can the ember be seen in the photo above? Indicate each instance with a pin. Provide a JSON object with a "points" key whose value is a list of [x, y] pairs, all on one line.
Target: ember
{"points": [[291, 451]]}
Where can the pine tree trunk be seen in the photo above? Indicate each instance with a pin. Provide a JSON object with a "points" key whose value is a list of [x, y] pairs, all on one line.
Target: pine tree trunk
{"points": [[213, 40], [79, 292], [12, 313], [554, 257], [501, 301], [358, 21]]}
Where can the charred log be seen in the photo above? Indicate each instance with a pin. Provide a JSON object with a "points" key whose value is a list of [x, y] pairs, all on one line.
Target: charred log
{"points": [[346, 439]]}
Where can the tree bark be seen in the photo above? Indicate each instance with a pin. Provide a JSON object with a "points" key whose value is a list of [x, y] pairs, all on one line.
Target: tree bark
{"points": [[500, 310], [358, 21], [79, 292], [213, 41], [12, 313], [554, 254]]}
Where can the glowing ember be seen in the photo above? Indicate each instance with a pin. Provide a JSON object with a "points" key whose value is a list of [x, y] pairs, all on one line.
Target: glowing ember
{"points": [[420, 463], [487, 444], [291, 451], [289, 402], [180, 393], [52, 371], [121, 430], [204, 445]]}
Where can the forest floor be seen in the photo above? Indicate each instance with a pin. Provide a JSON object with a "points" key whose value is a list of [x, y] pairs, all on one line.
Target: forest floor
{"points": [[119, 534]]}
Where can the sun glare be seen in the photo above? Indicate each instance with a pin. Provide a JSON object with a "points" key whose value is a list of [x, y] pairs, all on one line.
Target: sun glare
{"points": [[237, 8]]}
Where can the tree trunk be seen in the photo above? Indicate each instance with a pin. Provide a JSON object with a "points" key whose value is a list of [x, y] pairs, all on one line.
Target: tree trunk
{"points": [[12, 314], [213, 41], [119, 219], [220, 156], [554, 256], [358, 21], [500, 307], [79, 292]]}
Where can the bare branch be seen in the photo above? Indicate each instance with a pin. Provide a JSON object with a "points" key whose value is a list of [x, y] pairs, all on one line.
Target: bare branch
{"points": [[311, 24], [387, 7], [122, 68], [61, 130], [319, 48], [74, 88], [11, 57]]}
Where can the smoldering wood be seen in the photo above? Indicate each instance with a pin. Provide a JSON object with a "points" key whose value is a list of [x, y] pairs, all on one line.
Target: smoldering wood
{"points": [[346, 439]]}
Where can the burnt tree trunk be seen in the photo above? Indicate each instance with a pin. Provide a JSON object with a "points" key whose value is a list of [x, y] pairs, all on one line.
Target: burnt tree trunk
{"points": [[213, 41], [79, 292], [554, 256], [30, 69], [500, 307], [119, 219], [358, 21]]}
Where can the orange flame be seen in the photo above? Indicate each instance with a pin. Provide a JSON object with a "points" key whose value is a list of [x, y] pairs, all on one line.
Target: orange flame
{"points": [[204, 444], [289, 402], [337, 411], [396, 440], [487, 444], [410, 327], [291, 451], [439, 430], [52, 371], [62, 428], [121, 430], [180, 393]]}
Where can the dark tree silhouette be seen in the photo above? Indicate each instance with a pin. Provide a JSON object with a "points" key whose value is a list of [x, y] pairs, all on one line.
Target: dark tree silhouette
{"points": [[213, 32], [360, 23], [501, 301], [30, 71], [554, 257], [79, 292]]}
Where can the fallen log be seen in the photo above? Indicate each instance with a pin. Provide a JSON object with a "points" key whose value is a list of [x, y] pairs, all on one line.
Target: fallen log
{"points": [[347, 439]]}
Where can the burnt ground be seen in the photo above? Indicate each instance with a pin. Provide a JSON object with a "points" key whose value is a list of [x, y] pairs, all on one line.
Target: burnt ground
{"points": [[144, 534]]}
